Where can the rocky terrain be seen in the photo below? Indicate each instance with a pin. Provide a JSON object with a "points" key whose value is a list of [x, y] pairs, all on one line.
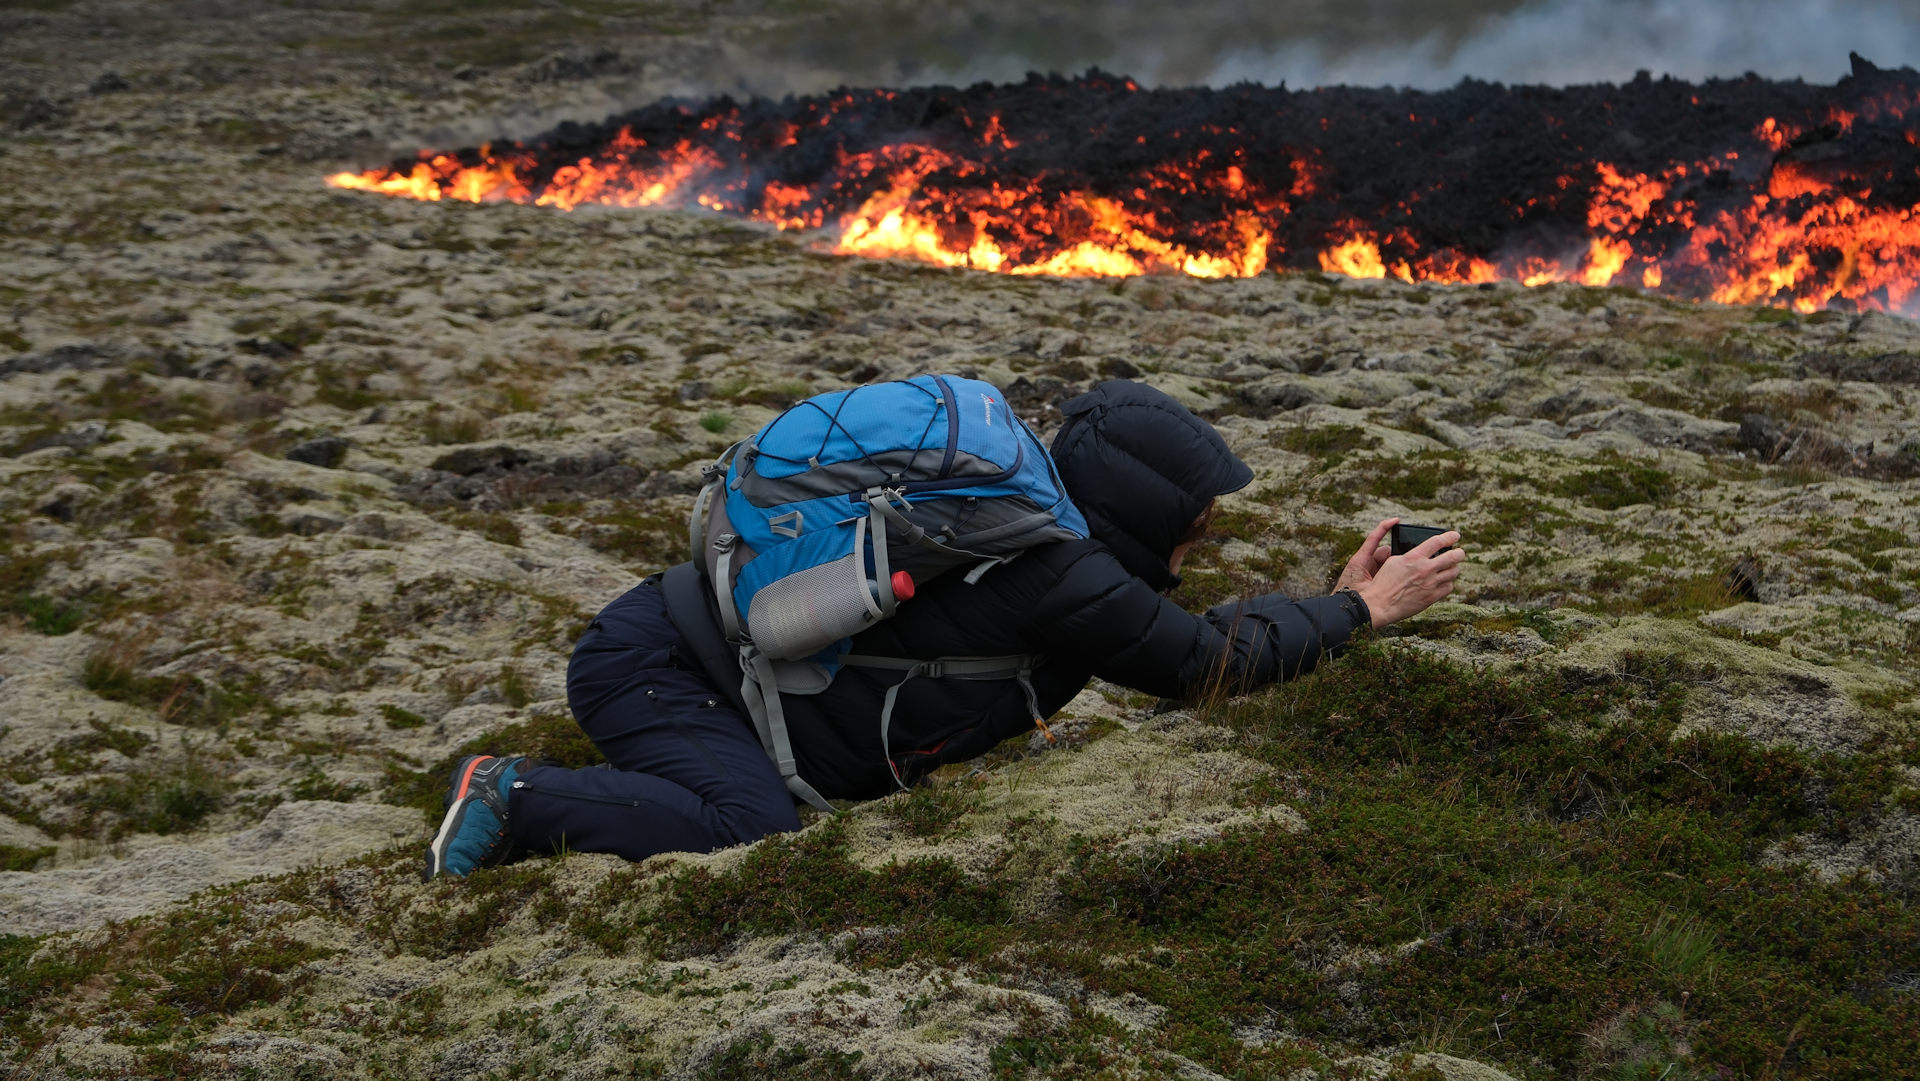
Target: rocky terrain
{"points": [[304, 493]]}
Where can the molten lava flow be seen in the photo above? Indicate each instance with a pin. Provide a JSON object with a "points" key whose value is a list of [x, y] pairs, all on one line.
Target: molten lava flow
{"points": [[1794, 195], [438, 176], [1357, 258], [1605, 257]]}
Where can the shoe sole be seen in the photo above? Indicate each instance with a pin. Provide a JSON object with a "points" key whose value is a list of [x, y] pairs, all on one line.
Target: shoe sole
{"points": [[450, 825]]}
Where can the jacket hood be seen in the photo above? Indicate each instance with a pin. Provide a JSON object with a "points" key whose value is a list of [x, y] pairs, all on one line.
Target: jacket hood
{"points": [[1142, 467]]}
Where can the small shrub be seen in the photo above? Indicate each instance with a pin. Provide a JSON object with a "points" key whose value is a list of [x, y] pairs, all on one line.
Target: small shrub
{"points": [[29, 975], [933, 809], [453, 426], [1418, 480], [162, 797], [74, 754], [1622, 483], [111, 672], [47, 616], [1327, 442], [314, 784], [755, 1057], [515, 687], [485, 902], [498, 528], [20, 858], [400, 718]]}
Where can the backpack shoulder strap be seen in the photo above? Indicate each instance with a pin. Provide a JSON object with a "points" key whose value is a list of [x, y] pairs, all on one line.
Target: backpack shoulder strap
{"points": [[761, 689]]}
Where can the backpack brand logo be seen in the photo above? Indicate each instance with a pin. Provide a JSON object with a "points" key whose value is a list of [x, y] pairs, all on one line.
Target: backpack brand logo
{"points": [[986, 406]]}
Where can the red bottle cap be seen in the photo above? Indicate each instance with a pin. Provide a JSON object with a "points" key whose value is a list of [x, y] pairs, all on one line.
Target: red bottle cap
{"points": [[902, 586]]}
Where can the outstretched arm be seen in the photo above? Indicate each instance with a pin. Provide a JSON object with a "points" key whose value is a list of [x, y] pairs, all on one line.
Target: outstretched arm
{"points": [[1099, 615]]}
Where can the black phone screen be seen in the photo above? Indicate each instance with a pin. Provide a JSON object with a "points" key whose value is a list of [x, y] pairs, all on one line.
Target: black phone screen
{"points": [[1408, 537]]}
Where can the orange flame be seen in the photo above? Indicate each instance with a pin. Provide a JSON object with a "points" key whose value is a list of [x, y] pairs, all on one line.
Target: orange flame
{"points": [[1357, 258], [1810, 239]]}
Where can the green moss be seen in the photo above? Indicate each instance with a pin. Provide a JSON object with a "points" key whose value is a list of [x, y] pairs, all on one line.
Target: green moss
{"points": [[211, 962], [46, 615], [1633, 842], [1865, 543], [30, 976], [1560, 862], [112, 673], [342, 385], [515, 687], [1328, 442], [473, 909], [74, 754], [132, 396], [637, 534], [169, 797], [20, 574], [498, 528], [756, 1057], [168, 972], [1418, 479], [935, 809], [400, 718], [314, 784], [21, 858], [809, 882], [1338, 496], [294, 336], [1619, 483]]}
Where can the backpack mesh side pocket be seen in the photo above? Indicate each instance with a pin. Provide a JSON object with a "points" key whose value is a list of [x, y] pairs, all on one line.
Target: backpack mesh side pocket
{"points": [[799, 600]]}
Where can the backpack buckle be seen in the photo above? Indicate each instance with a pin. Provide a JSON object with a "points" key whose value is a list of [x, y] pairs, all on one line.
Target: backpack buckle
{"points": [[712, 470], [724, 542]]}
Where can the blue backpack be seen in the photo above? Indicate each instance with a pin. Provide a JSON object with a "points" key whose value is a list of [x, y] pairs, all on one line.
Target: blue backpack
{"points": [[826, 520]]}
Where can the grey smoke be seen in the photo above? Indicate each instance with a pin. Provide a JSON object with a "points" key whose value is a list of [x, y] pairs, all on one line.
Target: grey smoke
{"points": [[1426, 44], [1570, 42]]}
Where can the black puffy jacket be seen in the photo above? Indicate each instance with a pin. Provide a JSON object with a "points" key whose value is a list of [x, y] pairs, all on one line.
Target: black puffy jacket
{"points": [[1141, 467]]}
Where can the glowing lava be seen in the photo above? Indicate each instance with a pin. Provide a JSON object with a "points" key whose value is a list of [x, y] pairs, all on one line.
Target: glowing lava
{"points": [[1812, 204]]}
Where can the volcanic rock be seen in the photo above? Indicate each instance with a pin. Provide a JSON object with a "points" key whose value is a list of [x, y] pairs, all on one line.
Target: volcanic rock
{"points": [[1880, 368], [467, 461], [81, 357], [327, 451], [1658, 427]]}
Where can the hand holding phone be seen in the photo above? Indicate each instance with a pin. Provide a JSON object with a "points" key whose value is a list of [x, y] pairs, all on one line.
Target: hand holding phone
{"points": [[1394, 587]]}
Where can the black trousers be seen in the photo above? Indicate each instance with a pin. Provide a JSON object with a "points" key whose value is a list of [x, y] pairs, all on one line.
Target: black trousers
{"points": [[685, 770]]}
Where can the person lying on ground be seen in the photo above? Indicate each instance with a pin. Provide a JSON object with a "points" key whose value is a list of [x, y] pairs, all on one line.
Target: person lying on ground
{"points": [[656, 687]]}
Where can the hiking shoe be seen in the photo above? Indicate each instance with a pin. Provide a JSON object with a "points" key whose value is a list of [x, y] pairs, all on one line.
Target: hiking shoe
{"points": [[474, 833]]}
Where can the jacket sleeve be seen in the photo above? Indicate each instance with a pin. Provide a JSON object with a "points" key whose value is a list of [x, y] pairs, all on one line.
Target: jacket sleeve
{"points": [[1116, 624]]}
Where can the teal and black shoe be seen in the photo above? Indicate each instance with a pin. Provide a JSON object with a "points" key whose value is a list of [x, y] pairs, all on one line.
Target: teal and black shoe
{"points": [[474, 833]]}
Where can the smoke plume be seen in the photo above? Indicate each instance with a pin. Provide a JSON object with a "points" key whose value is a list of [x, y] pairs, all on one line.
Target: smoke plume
{"points": [[1571, 42], [1423, 44]]}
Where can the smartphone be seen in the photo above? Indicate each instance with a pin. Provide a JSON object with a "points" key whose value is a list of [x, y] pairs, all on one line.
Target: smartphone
{"points": [[1408, 537]]}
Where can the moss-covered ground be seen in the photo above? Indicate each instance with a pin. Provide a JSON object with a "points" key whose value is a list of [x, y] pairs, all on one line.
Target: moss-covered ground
{"points": [[1500, 866]]}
